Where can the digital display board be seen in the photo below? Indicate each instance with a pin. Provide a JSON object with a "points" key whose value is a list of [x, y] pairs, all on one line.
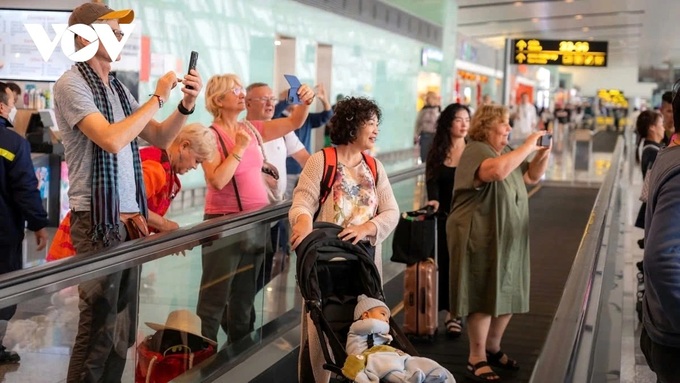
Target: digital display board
{"points": [[19, 57], [613, 97], [560, 52]]}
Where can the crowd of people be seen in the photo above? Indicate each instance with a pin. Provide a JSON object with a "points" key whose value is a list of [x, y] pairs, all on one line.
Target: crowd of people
{"points": [[477, 169], [117, 186]]}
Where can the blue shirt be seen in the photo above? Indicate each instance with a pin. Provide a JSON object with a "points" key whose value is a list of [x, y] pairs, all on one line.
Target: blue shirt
{"points": [[20, 201], [304, 133]]}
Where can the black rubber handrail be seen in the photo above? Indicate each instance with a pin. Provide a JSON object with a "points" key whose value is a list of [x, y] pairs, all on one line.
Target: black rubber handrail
{"points": [[556, 361], [21, 285]]}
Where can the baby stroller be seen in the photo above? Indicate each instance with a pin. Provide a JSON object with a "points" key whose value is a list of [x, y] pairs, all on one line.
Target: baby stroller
{"points": [[331, 273]]}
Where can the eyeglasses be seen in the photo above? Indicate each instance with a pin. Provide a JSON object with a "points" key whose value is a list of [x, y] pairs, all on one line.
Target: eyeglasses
{"points": [[238, 90], [264, 100]]}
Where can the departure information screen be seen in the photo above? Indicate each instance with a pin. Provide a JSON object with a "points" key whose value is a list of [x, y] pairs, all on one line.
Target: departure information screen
{"points": [[560, 52]]}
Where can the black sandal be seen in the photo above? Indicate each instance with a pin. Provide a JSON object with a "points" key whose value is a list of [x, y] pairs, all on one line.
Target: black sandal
{"points": [[495, 359], [454, 327], [483, 377]]}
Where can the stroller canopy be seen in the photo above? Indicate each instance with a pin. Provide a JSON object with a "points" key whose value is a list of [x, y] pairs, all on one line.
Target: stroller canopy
{"points": [[328, 266]]}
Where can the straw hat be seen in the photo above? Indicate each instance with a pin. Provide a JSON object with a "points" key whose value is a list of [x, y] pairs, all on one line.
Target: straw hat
{"points": [[182, 320]]}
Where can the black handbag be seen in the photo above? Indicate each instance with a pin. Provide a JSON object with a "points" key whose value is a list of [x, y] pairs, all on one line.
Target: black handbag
{"points": [[415, 236]]}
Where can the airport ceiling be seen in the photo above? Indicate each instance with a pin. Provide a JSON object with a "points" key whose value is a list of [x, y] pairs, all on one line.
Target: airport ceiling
{"points": [[640, 33]]}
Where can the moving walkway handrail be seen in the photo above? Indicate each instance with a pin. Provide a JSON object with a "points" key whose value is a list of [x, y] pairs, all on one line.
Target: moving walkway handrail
{"points": [[29, 283], [557, 359]]}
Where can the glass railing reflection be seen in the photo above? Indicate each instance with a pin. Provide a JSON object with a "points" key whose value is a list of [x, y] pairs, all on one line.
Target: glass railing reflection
{"points": [[216, 278]]}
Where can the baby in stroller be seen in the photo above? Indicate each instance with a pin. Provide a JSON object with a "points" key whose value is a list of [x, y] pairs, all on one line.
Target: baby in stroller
{"points": [[370, 358]]}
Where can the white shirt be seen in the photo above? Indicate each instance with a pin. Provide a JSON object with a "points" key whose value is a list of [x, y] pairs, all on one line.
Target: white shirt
{"points": [[525, 123], [277, 150]]}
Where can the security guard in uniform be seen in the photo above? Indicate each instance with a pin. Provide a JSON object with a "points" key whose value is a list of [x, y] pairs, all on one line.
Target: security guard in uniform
{"points": [[20, 204]]}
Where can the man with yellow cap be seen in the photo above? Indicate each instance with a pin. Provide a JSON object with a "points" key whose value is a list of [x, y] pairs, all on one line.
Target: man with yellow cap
{"points": [[100, 121]]}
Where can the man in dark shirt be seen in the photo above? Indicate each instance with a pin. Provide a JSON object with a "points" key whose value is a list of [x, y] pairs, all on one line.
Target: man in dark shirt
{"points": [[666, 110], [20, 203]]}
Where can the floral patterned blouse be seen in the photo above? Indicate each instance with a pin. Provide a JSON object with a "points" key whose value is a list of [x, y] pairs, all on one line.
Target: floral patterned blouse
{"points": [[354, 195]]}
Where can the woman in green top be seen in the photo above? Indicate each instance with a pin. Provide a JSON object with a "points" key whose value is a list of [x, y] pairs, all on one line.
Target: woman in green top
{"points": [[488, 235]]}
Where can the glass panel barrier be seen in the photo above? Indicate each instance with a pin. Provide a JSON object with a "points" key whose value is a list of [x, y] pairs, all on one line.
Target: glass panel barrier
{"points": [[201, 269], [582, 337]]}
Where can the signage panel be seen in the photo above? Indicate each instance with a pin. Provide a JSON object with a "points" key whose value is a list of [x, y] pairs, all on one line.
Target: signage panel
{"points": [[560, 52]]}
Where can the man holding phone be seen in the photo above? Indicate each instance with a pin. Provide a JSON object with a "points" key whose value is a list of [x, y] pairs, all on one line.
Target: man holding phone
{"points": [[260, 101], [100, 121], [304, 133]]}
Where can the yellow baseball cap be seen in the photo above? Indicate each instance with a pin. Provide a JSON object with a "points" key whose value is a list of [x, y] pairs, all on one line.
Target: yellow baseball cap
{"points": [[88, 13]]}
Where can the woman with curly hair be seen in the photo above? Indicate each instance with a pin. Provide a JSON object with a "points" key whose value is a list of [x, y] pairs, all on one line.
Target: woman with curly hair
{"points": [[440, 171], [365, 208]]}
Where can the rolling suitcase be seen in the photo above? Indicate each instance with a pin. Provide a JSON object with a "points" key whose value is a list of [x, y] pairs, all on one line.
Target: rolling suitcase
{"points": [[420, 299], [420, 283]]}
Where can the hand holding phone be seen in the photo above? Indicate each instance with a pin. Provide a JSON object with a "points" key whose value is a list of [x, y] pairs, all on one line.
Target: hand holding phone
{"points": [[294, 86], [544, 140], [192, 65]]}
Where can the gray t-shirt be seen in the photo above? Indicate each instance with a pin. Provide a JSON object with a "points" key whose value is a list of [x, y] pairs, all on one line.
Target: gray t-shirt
{"points": [[73, 101]]}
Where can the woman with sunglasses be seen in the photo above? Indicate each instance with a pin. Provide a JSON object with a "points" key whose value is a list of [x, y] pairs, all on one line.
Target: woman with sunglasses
{"points": [[235, 184]]}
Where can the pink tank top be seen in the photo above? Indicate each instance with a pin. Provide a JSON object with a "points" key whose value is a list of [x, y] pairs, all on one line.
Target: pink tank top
{"points": [[248, 177]]}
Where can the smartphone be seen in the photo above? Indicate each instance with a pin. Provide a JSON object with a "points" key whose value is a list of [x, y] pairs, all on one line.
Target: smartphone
{"points": [[192, 64], [294, 86], [544, 141]]}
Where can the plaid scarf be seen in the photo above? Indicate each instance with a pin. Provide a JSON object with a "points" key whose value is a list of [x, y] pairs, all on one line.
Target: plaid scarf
{"points": [[105, 202]]}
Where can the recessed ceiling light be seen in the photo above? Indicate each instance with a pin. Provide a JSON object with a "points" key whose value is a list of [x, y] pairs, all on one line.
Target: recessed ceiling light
{"points": [[568, 1], [518, 3], [534, 20], [277, 42], [578, 17], [585, 29]]}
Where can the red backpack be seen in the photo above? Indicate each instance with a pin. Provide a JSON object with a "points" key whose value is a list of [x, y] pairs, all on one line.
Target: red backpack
{"points": [[330, 166]]}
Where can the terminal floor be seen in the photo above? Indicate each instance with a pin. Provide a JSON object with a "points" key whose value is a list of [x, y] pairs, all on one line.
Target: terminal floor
{"points": [[552, 229], [558, 216]]}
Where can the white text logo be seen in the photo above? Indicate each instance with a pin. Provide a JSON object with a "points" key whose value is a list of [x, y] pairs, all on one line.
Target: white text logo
{"points": [[95, 33]]}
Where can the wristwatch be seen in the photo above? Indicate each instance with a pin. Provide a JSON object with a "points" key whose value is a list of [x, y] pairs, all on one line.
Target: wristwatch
{"points": [[184, 110]]}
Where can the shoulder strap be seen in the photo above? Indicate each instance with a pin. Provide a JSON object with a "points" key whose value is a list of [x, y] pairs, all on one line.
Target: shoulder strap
{"points": [[372, 165], [258, 137], [233, 178], [651, 146], [330, 165]]}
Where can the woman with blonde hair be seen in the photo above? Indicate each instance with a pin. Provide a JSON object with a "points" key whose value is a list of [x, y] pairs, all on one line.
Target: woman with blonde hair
{"points": [[426, 124], [193, 145], [235, 184], [488, 235]]}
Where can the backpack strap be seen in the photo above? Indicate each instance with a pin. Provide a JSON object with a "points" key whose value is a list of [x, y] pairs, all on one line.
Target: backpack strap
{"points": [[330, 166], [372, 165]]}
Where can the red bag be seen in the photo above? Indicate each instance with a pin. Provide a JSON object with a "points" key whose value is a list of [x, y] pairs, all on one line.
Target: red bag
{"points": [[154, 367]]}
